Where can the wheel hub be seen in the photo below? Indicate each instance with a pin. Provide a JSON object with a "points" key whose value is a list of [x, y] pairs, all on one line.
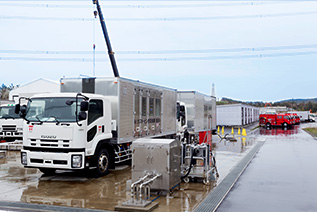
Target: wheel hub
{"points": [[103, 162]]}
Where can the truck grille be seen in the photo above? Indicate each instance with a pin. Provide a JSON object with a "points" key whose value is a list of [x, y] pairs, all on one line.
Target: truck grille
{"points": [[9, 127], [51, 143]]}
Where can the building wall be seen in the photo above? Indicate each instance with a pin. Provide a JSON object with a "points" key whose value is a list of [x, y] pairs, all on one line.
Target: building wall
{"points": [[236, 114], [34, 87]]}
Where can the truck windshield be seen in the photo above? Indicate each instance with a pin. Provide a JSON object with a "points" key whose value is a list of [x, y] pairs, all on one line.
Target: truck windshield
{"points": [[8, 112], [52, 110]]}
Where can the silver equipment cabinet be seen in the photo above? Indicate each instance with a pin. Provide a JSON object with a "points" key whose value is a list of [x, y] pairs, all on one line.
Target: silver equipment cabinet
{"points": [[157, 157]]}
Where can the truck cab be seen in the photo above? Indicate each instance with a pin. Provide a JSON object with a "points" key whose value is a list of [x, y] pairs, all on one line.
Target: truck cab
{"points": [[60, 133], [10, 124]]}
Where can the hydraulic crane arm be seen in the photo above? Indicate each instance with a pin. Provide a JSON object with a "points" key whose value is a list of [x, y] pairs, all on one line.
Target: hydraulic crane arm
{"points": [[105, 33]]}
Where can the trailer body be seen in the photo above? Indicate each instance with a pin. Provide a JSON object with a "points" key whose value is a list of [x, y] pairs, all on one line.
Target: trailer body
{"points": [[303, 115]]}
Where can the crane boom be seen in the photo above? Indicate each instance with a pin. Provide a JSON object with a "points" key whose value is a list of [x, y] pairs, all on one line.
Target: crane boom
{"points": [[105, 33]]}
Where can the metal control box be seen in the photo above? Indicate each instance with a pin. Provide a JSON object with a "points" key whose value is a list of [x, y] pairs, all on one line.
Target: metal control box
{"points": [[157, 156]]}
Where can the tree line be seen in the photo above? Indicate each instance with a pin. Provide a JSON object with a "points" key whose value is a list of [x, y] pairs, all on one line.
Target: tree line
{"points": [[5, 90], [300, 105]]}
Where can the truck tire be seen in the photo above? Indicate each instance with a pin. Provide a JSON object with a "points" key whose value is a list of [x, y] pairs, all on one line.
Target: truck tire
{"points": [[268, 125], [47, 171], [284, 124], [103, 163]]}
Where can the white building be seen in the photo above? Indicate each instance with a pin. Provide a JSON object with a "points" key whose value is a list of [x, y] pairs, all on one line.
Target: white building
{"points": [[37, 86], [236, 114]]}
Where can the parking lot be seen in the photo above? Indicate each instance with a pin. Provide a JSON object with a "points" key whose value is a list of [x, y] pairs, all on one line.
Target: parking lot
{"points": [[79, 190]]}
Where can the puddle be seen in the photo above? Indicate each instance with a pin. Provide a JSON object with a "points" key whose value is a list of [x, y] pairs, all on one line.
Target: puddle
{"points": [[280, 131], [76, 189]]}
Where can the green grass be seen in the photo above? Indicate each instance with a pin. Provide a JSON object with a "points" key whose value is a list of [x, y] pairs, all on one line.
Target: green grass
{"points": [[312, 131]]}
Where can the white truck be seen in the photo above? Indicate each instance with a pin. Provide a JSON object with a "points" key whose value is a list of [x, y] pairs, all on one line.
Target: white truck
{"points": [[303, 115], [110, 114], [11, 124], [200, 112]]}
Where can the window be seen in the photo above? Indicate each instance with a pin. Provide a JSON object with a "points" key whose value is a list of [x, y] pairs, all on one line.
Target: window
{"points": [[8, 112], [95, 110], [52, 109]]}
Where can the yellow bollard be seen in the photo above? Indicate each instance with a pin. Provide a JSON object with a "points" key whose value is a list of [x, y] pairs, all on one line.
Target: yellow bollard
{"points": [[218, 130], [223, 130], [232, 131], [244, 132], [239, 133]]}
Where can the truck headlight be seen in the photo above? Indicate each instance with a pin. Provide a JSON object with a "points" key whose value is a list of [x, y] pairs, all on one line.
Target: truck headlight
{"points": [[76, 161], [24, 160]]}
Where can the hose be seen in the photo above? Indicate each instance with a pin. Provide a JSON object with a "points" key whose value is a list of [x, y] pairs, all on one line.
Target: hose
{"points": [[190, 164]]}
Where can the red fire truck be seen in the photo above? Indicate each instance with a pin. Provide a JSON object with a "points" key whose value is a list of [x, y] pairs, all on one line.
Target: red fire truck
{"points": [[269, 120]]}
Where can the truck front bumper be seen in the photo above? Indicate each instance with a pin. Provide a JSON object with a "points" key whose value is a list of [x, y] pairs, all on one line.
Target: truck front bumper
{"points": [[60, 160]]}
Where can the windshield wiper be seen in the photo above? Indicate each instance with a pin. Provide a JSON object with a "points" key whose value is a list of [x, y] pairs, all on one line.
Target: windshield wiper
{"points": [[57, 122], [38, 119]]}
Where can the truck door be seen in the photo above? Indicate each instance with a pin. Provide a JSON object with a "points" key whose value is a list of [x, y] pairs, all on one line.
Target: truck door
{"points": [[95, 113], [279, 120]]}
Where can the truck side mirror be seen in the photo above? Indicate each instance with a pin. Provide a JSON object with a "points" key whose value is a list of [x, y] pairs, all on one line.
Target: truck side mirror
{"points": [[84, 106], [82, 115], [17, 109]]}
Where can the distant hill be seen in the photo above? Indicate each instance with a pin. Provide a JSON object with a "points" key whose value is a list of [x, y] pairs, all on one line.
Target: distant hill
{"points": [[313, 100], [296, 104]]}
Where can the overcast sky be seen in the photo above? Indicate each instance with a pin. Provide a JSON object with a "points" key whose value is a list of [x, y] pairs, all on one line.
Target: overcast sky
{"points": [[250, 50]]}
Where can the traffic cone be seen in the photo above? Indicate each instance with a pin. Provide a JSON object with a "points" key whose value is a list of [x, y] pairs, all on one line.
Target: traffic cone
{"points": [[223, 130], [218, 130], [239, 133], [244, 132], [232, 131], [243, 141]]}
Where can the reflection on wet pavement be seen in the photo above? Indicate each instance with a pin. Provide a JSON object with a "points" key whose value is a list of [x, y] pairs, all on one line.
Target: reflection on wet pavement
{"points": [[77, 189], [282, 176], [282, 131]]}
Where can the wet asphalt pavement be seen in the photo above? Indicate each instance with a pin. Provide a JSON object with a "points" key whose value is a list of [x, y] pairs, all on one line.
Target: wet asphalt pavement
{"points": [[281, 177], [77, 190]]}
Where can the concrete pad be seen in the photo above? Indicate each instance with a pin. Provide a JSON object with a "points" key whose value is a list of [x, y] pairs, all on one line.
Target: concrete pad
{"points": [[148, 208]]}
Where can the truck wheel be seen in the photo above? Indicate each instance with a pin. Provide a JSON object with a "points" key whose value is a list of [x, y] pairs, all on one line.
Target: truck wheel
{"points": [[268, 125], [47, 171], [103, 162], [284, 124]]}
